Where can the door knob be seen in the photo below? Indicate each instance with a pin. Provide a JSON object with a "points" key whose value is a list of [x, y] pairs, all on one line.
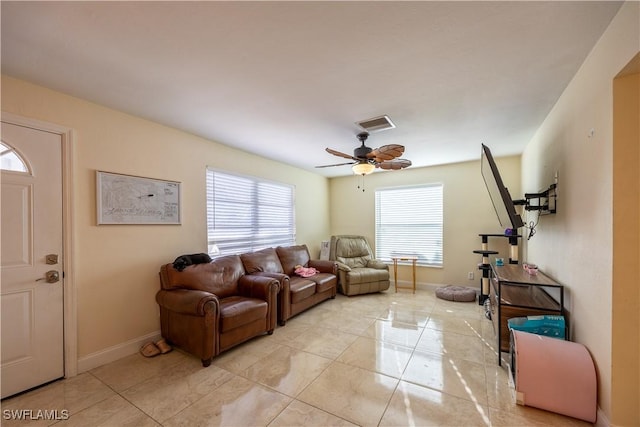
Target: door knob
{"points": [[51, 276]]}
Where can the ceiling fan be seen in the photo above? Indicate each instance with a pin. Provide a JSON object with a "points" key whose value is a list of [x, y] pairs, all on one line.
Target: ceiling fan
{"points": [[366, 159]]}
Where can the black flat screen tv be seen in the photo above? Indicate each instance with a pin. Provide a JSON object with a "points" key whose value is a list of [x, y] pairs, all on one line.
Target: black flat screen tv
{"points": [[500, 197]]}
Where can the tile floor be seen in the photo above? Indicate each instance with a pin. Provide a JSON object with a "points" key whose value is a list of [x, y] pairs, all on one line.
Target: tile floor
{"points": [[388, 359]]}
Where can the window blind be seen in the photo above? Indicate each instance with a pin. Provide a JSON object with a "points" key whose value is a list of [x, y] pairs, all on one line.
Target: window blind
{"points": [[246, 214], [409, 222]]}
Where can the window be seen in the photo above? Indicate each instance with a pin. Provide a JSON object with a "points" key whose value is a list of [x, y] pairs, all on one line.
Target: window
{"points": [[10, 160], [246, 214], [409, 222]]}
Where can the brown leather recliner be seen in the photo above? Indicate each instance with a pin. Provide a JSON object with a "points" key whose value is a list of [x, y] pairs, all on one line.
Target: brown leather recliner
{"points": [[296, 293], [208, 308], [358, 271]]}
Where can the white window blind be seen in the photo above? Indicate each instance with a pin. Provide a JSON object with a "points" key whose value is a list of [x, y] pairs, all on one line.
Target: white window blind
{"points": [[409, 222], [246, 214]]}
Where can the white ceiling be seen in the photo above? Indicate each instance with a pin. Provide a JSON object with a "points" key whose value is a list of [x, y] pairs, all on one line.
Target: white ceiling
{"points": [[286, 79]]}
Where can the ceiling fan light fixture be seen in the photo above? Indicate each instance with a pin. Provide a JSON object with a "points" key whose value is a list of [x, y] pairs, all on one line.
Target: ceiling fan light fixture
{"points": [[363, 168]]}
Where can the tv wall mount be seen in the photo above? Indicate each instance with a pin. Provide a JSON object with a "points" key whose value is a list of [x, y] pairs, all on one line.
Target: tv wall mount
{"points": [[544, 202]]}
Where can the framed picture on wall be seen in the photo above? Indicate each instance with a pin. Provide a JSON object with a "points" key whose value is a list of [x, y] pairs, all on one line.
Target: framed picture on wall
{"points": [[128, 199]]}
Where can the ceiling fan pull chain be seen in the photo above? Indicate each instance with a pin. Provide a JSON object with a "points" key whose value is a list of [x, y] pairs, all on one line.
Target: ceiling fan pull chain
{"points": [[362, 177]]}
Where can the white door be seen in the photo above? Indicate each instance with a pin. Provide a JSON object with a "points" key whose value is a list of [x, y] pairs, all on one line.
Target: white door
{"points": [[31, 258]]}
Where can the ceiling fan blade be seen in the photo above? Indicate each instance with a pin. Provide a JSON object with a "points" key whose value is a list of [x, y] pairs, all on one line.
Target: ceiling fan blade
{"points": [[340, 154], [386, 152], [395, 164], [337, 164]]}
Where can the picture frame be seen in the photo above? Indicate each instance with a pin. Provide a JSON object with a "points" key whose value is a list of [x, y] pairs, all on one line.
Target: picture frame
{"points": [[136, 200]]}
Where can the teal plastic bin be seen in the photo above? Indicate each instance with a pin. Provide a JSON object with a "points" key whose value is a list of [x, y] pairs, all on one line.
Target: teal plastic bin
{"points": [[547, 325]]}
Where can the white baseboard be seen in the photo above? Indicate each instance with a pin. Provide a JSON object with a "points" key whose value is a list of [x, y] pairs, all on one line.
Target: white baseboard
{"points": [[602, 420], [408, 284], [420, 285], [115, 352], [428, 286]]}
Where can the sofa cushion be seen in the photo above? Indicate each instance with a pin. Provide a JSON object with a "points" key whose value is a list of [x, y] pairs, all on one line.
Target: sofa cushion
{"points": [[263, 261], [290, 256], [301, 288], [324, 281], [219, 277], [236, 311]]}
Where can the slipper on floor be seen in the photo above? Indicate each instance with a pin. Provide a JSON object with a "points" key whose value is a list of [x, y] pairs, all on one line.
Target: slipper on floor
{"points": [[163, 346], [150, 350]]}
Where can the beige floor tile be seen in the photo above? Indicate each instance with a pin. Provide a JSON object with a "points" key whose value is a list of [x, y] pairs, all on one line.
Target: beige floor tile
{"points": [[452, 344], [378, 356], [113, 412], [407, 314], [470, 309], [131, 370], [287, 370], [500, 393], [168, 393], [354, 394], [238, 402], [488, 331], [404, 334], [238, 359], [526, 416], [71, 395], [413, 405], [300, 414], [313, 316], [342, 320], [323, 342], [459, 325], [290, 331], [356, 325], [490, 351], [457, 377], [388, 358]]}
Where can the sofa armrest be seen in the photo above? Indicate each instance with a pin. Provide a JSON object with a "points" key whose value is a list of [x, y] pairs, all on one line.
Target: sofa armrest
{"points": [[343, 267], [376, 263], [185, 301], [324, 266], [258, 286], [280, 277], [284, 297]]}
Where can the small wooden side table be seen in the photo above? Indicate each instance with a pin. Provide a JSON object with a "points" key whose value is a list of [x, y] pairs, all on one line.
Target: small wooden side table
{"points": [[413, 260]]}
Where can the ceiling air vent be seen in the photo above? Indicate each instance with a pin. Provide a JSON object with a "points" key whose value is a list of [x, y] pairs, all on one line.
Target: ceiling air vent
{"points": [[376, 124]]}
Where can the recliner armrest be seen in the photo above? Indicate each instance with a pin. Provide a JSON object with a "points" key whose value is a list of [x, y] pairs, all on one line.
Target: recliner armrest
{"points": [[258, 286], [343, 267], [324, 266], [187, 301], [376, 263]]}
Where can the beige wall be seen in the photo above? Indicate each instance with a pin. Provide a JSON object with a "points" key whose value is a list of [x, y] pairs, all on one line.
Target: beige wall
{"points": [[467, 212], [575, 245], [116, 266]]}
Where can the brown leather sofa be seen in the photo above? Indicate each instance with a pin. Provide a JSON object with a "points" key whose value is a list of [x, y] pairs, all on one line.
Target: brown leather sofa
{"points": [[358, 270], [296, 293], [208, 308]]}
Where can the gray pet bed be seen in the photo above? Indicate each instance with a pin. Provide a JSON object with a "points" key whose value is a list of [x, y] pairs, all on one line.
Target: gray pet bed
{"points": [[456, 293]]}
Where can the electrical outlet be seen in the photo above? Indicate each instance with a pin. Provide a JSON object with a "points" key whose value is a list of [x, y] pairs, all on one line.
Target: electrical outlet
{"points": [[470, 275]]}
